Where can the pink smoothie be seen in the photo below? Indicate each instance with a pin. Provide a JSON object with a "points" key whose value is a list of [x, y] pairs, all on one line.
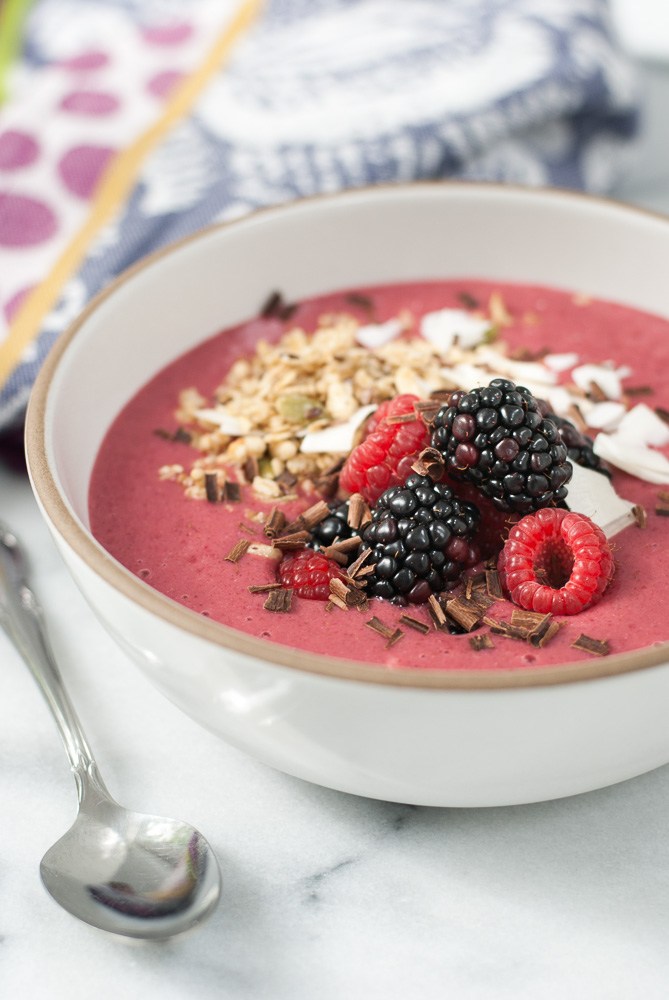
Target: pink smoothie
{"points": [[178, 545]]}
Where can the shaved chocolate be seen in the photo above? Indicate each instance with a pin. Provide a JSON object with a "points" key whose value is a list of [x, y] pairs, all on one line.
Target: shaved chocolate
{"points": [[464, 613], [327, 486], [415, 624], [596, 393], [493, 584], [639, 390], [577, 418], [250, 468], [377, 626], [289, 543], [541, 628], [505, 628], [338, 602], [331, 552], [598, 647], [511, 631], [275, 307], [357, 511], [232, 492], [348, 544], [528, 619], [430, 462], [443, 395], [264, 588], [315, 514], [180, 434], [357, 567], [479, 642], [237, 550], [275, 523], [395, 637], [402, 418], [468, 300], [662, 413], [437, 613], [640, 515], [544, 634], [662, 505], [528, 353], [279, 600], [350, 595], [286, 480], [362, 301], [248, 528], [479, 593], [211, 487], [427, 409], [339, 588]]}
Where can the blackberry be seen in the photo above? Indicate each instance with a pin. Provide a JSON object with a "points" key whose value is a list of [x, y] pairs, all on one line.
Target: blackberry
{"points": [[333, 528], [579, 446], [420, 536], [496, 438]]}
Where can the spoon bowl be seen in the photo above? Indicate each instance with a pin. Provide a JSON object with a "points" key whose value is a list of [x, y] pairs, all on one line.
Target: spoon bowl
{"points": [[131, 873], [138, 875]]}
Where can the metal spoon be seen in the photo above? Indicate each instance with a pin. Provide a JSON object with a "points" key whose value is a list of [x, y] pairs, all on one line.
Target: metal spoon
{"points": [[126, 872]]}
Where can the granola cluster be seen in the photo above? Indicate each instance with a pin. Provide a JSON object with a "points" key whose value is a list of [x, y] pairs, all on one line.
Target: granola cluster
{"points": [[271, 403]]}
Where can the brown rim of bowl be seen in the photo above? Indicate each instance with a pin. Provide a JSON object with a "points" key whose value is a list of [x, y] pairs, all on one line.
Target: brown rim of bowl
{"points": [[104, 565]]}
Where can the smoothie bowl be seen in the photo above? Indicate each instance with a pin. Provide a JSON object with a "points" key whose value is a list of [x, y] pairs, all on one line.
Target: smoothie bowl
{"points": [[374, 487]]}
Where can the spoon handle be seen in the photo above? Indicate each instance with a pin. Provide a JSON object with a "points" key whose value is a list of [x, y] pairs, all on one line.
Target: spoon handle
{"points": [[22, 619]]}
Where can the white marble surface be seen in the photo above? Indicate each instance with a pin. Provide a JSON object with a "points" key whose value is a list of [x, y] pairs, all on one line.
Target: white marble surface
{"points": [[326, 896]]}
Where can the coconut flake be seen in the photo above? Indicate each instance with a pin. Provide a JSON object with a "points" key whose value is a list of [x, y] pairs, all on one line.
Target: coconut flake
{"points": [[375, 335], [339, 438], [644, 426], [631, 456], [466, 376], [560, 362], [226, 422], [525, 373], [605, 416], [446, 327], [561, 400], [606, 376], [592, 493]]}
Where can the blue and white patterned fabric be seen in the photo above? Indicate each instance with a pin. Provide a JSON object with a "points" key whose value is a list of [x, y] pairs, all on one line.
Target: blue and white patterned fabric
{"points": [[323, 95]]}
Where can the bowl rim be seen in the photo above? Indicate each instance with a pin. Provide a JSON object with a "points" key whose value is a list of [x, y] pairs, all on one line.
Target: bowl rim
{"points": [[104, 565]]}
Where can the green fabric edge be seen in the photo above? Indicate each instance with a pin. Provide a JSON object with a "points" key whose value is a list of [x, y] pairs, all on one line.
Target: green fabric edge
{"points": [[12, 14]]}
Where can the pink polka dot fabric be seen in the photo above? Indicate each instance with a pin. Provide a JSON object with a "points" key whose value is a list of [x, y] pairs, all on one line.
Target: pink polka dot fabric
{"points": [[82, 97]]}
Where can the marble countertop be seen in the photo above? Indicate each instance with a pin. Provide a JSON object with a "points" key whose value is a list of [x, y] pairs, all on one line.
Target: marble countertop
{"points": [[326, 895]]}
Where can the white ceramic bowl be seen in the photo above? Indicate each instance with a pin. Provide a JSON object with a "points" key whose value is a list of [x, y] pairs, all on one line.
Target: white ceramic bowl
{"points": [[447, 739]]}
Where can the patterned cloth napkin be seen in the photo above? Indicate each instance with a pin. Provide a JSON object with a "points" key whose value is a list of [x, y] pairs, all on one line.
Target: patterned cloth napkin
{"points": [[130, 123]]}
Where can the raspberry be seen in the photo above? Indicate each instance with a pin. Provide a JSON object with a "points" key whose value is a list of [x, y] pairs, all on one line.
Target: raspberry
{"points": [[308, 574], [385, 456], [556, 561]]}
